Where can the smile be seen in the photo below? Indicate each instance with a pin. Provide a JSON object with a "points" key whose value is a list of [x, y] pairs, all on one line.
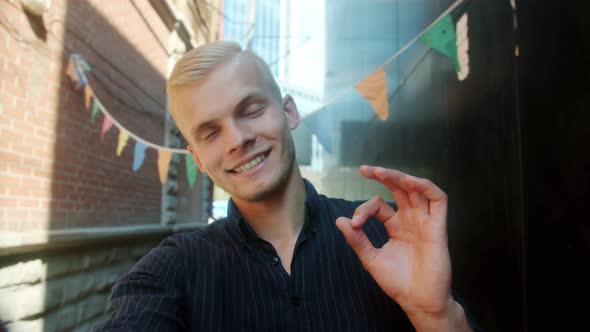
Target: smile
{"points": [[250, 164]]}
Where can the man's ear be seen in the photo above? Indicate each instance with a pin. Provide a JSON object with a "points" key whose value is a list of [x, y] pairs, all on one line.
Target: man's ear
{"points": [[196, 158], [291, 112]]}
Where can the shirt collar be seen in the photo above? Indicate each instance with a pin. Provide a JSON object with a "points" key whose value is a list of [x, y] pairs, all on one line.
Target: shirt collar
{"points": [[244, 232]]}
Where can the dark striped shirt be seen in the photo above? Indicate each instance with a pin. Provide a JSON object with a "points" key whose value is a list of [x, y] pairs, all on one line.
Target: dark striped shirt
{"points": [[225, 278]]}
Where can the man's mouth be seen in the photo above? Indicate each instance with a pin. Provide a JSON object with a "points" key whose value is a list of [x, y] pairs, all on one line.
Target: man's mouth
{"points": [[250, 164]]}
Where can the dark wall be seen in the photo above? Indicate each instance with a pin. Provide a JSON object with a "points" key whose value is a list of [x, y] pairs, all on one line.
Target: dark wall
{"points": [[465, 136], [554, 87]]}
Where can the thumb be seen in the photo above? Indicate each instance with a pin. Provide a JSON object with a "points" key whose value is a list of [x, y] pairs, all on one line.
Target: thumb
{"points": [[358, 240]]}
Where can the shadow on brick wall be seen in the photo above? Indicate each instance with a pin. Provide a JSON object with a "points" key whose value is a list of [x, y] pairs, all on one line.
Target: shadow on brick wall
{"points": [[91, 186], [55, 172]]}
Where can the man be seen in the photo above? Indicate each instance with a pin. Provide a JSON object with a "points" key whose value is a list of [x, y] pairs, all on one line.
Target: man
{"points": [[286, 258]]}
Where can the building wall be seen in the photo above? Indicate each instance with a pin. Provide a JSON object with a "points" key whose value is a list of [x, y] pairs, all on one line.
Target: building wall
{"points": [[68, 204], [554, 98], [55, 171], [255, 25], [463, 135], [64, 290]]}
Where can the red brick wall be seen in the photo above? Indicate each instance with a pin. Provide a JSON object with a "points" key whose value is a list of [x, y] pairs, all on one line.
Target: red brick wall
{"points": [[54, 170]]}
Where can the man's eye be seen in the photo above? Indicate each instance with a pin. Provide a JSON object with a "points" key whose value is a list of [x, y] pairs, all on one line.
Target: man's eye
{"points": [[209, 135], [255, 111]]}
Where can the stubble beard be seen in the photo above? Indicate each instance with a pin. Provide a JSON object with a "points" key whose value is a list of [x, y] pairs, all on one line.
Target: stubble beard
{"points": [[279, 185]]}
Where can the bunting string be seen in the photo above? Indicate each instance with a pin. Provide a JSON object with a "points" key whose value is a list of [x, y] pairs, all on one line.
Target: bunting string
{"points": [[396, 55], [76, 69], [439, 35], [79, 64], [423, 32]]}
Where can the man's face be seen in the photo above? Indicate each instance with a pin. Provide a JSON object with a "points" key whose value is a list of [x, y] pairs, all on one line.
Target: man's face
{"points": [[239, 132]]}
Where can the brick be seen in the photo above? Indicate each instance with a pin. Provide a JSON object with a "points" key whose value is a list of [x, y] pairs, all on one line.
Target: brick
{"points": [[33, 183], [8, 202], [63, 319], [27, 326], [28, 204], [20, 171], [51, 134], [29, 272], [18, 303], [42, 173], [9, 157]]}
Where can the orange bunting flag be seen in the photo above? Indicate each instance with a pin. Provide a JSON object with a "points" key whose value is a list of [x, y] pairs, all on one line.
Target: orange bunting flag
{"points": [[374, 89], [123, 138], [87, 95], [71, 72], [107, 124], [164, 157]]}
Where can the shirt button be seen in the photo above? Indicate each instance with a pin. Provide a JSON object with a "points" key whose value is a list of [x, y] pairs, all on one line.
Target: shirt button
{"points": [[275, 260], [295, 301]]}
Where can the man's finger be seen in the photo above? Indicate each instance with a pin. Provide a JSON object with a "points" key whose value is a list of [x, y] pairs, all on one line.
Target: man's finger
{"points": [[358, 240], [409, 182], [436, 197], [419, 201], [399, 194], [375, 207]]}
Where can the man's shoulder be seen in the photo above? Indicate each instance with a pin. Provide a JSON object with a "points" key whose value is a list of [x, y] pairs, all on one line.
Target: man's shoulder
{"points": [[191, 246], [213, 234]]}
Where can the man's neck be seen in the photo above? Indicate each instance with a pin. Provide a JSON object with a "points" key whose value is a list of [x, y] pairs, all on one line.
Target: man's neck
{"points": [[279, 219]]}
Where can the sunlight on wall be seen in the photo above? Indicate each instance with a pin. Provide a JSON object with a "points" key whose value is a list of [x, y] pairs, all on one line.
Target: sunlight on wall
{"points": [[20, 306]]}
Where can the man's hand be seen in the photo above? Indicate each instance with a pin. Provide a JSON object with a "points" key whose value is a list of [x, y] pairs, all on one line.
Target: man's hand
{"points": [[414, 266]]}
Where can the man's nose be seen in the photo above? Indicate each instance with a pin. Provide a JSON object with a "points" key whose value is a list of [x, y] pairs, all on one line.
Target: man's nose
{"points": [[238, 136]]}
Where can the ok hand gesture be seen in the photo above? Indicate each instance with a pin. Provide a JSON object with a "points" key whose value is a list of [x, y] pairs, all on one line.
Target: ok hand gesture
{"points": [[414, 266]]}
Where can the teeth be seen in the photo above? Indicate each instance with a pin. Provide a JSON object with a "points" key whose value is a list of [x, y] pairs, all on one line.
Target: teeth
{"points": [[248, 165]]}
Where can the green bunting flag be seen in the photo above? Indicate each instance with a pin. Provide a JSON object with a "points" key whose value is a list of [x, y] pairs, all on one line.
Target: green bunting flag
{"points": [[95, 106], [191, 169], [442, 38]]}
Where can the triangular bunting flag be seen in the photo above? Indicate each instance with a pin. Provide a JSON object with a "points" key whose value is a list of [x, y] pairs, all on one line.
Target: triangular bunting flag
{"points": [[442, 38], [320, 123], [84, 65], [76, 58], [164, 157], [123, 138], [87, 95], [107, 124], [138, 156], [95, 106], [374, 89], [71, 72], [191, 169]]}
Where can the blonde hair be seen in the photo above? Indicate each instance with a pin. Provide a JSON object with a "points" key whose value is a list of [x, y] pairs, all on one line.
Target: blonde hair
{"points": [[196, 64]]}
